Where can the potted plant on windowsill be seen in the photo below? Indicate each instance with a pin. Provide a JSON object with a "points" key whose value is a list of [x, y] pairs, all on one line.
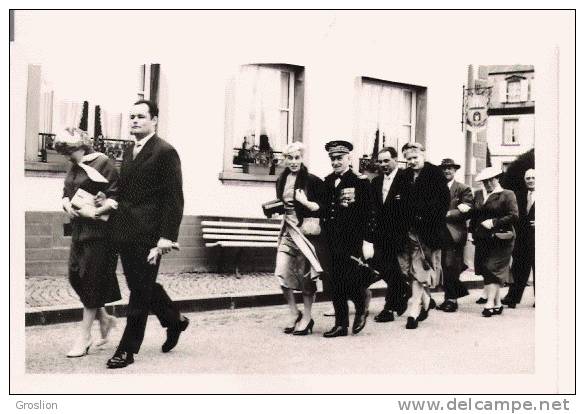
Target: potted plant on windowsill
{"points": [[264, 161]]}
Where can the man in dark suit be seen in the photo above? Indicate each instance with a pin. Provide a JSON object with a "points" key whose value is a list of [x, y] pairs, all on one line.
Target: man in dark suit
{"points": [[390, 233], [455, 237], [146, 226], [348, 222], [426, 201], [523, 255]]}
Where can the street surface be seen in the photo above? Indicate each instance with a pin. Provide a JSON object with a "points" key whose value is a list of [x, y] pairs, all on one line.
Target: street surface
{"points": [[250, 341]]}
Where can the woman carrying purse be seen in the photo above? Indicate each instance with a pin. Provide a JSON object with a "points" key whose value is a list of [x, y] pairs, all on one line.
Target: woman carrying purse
{"points": [[297, 262], [89, 193], [494, 212]]}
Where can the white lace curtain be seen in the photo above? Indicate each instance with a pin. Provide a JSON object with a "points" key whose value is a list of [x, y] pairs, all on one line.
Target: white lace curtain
{"points": [[388, 110], [69, 114], [111, 124], [261, 95]]}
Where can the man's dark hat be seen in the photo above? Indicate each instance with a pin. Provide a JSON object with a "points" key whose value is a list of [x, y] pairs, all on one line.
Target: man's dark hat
{"points": [[338, 146], [448, 162]]}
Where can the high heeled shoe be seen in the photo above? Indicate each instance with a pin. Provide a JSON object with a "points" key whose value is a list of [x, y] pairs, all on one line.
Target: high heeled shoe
{"points": [[308, 329], [488, 312], [291, 329], [498, 311], [111, 323], [80, 348]]}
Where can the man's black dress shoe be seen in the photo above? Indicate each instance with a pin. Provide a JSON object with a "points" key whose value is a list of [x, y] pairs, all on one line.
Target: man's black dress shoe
{"points": [[511, 305], [336, 331], [173, 334], [505, 300], [411, 323], [442, 305], [481, 301], [450, 306], [384, 316], [358, 324], [120, 360], [432, 304]]}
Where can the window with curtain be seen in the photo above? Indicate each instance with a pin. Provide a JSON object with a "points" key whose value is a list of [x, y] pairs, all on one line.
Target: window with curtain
{"points": [[265, 114], [513, 91], [387, 117], [511, 132]]}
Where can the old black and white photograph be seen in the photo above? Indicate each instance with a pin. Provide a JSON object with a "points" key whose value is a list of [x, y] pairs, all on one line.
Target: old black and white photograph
{"points": [[291, 201]]}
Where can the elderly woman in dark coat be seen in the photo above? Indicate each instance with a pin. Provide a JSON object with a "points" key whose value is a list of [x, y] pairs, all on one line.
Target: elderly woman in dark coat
{"points": [[88, 197], [297, 264], [493, 215]]}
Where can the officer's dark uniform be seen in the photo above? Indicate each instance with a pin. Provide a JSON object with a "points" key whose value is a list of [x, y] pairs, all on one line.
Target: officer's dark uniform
{"points": [[345, 229]]}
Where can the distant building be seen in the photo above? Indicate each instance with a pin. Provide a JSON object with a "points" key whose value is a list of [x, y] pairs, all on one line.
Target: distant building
{"points": [[510, 129]]}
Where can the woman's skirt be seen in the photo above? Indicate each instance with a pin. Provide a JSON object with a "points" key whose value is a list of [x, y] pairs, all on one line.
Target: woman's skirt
{"points": [[297, 265], [492, 260], [92, 272], [419, 262]]}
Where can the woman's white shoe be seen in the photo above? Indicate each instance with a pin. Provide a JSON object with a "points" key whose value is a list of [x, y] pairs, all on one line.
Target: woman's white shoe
{"points": [[80, 348]]}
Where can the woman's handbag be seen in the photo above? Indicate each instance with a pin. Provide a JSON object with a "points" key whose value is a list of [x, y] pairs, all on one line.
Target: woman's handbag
{"points": [[311, 226], [273, 207]]}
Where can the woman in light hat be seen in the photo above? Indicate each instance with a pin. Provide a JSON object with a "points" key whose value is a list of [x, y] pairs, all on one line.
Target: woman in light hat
{"points": [[297, 262], [493, 215], [88, 197]]}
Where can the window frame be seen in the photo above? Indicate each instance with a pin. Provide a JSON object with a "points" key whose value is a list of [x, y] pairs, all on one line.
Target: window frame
{"points": [[294, 120], [517, 129], [417, 111]]}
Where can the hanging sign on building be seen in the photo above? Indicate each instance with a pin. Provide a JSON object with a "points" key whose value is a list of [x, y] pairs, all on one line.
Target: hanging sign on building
{"points": [[476, 108]]}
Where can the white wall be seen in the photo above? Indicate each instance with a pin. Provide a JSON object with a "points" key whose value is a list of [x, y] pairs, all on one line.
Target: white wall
{"points": [[95, 56]]}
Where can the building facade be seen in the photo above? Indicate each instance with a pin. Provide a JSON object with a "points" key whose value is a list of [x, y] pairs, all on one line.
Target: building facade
{"points": [[511, 125], [232, 93]]}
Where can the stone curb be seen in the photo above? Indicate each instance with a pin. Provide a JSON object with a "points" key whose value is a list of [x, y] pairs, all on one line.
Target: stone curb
{"points": [[61, 314]]}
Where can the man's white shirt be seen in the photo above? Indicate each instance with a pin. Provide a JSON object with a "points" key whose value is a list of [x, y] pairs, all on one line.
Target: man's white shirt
{"points": [[387, 183]]}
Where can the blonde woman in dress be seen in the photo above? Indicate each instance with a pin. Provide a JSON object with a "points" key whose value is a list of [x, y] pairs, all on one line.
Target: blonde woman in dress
{"points": [[297, 262]]}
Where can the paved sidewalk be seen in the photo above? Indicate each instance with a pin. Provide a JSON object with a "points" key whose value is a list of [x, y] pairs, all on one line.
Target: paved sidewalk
{"points": [[56, 291], [52, 300]]}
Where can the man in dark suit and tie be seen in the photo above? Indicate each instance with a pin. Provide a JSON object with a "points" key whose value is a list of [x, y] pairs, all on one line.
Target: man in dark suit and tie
{"points": [[145, 227], [391, 232], [523, 255], [455, 237], [348, 225]]}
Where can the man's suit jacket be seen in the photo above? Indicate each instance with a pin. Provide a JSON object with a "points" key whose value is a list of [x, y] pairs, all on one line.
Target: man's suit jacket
{"points": [[347, 227], [150, 202], [525, 232], [460, 194], [426, 204], [391, 226]]}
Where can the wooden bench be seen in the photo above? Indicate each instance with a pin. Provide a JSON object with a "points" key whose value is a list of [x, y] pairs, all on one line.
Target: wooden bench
{"points": [[225, 233]]}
